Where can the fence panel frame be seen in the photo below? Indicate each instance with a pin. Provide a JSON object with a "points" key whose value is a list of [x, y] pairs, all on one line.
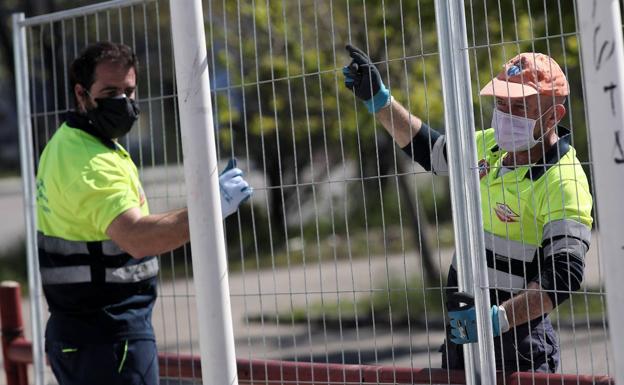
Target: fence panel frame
{"points": [[602, 52], [214, 336], [480, 362], [214, 313], [27, 165], [29, 190]]}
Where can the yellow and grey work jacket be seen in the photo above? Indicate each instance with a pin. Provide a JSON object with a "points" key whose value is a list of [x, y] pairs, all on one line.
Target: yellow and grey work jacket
{"points": [[95, 291], [536, 218]]}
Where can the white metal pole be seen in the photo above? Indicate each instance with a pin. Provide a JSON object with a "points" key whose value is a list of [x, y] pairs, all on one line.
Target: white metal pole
{"points": [[27, 162], [602, 52], [216, 336], [464, 181]]}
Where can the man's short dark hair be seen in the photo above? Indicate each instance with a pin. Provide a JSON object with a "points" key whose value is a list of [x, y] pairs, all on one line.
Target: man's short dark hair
{"points": [[82, 70]]}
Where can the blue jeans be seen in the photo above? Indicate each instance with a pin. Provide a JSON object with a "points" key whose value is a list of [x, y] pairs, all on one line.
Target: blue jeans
{"points": [[133, 362]]}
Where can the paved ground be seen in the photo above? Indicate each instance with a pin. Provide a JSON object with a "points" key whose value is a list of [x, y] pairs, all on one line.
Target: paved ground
{"points": [[584, 350], [11, 206]]}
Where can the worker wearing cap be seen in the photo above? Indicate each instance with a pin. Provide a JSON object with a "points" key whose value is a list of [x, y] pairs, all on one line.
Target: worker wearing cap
{"points": [[535, 201], [97, 240]]}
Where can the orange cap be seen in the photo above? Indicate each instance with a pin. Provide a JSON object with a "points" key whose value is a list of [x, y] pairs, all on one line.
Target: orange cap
{"points": [[528, 74]]}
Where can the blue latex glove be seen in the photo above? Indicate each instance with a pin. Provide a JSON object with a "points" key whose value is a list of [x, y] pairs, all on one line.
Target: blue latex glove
{"points": [[464, 319], [364, 79], [234, 189]]}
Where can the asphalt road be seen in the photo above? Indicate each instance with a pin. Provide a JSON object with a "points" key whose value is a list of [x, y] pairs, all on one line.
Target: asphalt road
{"points": [[584, 348], [12, 208]]}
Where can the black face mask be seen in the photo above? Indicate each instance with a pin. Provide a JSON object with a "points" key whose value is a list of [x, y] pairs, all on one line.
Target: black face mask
{"points": [[113, 117]]}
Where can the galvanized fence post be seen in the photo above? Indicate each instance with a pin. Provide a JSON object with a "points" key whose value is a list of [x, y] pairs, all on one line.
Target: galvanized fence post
{"points": [[464, 182], [29, 189], [210, 271]]}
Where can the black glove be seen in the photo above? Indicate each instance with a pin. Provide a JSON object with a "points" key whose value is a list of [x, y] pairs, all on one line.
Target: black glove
{"points": [[364, 79]]}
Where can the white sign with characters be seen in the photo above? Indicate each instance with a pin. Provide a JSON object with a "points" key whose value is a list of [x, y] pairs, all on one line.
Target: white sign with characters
{"points": [[603, 70]]}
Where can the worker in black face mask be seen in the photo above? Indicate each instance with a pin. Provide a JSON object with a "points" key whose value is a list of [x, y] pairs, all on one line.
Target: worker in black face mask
{"points": [[97, 239], [113, 117]]}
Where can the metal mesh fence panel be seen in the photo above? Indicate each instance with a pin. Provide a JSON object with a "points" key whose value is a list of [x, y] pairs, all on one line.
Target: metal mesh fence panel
{"points": [[337, 190], [342, 254], [579, 323], [53, 42], [331, 252]]}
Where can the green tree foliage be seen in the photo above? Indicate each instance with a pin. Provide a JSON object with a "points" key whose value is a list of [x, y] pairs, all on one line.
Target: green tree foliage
{"points": [[281, 103]]}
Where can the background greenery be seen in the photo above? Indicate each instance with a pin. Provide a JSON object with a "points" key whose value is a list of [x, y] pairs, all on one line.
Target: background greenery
{"points": [[335, 185], [281, 103]]}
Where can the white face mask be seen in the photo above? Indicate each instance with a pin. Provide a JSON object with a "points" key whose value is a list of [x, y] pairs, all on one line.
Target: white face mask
{"points": [[514, 133]]}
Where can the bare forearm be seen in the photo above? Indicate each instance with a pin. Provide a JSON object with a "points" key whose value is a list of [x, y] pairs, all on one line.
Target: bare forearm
{"points": [[141, 236], [528, 305], [399, 123], [160, 233]]}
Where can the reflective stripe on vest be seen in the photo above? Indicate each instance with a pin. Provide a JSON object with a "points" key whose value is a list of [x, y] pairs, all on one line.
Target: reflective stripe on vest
{"points": [[62, 246], [133, 273], [501, 280], [568, 227], [82, 274], [508, 262], [512, 263], [566, 236], [57, 248], [509, 248], [67, 274]]}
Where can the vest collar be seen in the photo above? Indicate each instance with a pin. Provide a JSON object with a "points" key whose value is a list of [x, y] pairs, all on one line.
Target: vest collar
{"points": [[80, 121], [552, 156]]}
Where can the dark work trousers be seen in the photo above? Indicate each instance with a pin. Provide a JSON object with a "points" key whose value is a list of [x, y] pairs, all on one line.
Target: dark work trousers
{"points": [[523, 350], [133, 362]]}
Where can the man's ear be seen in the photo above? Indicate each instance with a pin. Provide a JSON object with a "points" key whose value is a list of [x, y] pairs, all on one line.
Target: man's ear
{"points": [[81, 96], [559, 113]]}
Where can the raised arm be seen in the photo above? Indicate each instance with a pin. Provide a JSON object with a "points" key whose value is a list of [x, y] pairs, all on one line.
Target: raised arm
{"points": [[425, 145], [399, 123]]}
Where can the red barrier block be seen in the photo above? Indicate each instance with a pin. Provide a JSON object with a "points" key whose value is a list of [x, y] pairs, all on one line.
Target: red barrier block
{"points": [[12, 329], [528, 378]]}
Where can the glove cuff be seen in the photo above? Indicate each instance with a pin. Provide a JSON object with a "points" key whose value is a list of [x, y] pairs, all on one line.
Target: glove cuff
{"points": [[380, 100], [500, 323]]}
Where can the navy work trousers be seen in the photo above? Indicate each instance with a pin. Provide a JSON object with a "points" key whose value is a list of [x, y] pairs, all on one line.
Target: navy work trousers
{"points": [[133, 362], [523, 349]]}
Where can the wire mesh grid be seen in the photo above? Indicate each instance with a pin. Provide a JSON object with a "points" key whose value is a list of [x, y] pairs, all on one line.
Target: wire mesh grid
{"points": [[551, 28], [154, 143], [359, 240], [329, 271], [342, 254]]}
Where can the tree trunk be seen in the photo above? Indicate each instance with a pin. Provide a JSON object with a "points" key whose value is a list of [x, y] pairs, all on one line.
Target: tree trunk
{"points": [[420, 225]]}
